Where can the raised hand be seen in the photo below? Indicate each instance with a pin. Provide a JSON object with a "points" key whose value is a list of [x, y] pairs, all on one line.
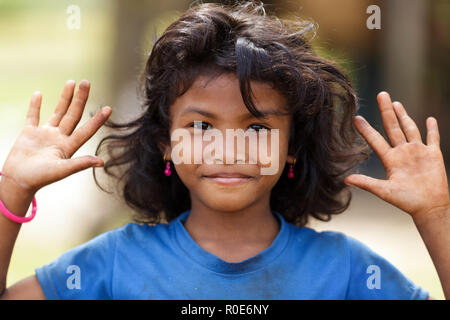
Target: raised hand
{"points": [[416, 178], [42, 155]]}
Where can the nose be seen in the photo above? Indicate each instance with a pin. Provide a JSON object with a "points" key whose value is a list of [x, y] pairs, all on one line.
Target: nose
{"points": [[235, 144], [232, 149]]}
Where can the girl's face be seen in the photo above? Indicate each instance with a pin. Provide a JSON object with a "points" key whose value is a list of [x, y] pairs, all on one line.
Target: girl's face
{"points": [[218, 104]]}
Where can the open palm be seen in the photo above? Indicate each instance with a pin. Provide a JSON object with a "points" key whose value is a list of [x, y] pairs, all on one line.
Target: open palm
{"points": [[42, 155], [416, 178]]}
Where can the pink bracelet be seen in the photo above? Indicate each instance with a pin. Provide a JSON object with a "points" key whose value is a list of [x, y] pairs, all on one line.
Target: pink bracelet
{"points": [[15, 218]]}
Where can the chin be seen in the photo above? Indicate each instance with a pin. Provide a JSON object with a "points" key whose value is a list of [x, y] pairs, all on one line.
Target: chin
{"points": [[227, 202], [227, 207]]}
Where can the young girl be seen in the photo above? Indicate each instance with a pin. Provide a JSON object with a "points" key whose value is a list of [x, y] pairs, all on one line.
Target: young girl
{"points": [[225, 230]]}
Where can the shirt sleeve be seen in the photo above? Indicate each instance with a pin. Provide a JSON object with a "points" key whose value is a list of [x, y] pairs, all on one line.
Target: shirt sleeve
{"points": [[373, 277], [81, 273]]}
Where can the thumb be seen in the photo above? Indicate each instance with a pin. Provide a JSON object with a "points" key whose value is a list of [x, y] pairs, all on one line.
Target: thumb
{"points": [[71, 166], [372, 185]]}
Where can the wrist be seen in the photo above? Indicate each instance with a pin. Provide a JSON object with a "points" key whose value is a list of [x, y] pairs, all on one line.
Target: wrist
{"points": [[14, 197], [10, 185], [441, 213]]}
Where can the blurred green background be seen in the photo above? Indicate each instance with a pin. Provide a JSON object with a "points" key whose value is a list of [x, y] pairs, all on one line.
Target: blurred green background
{"points": [[39, 50]]}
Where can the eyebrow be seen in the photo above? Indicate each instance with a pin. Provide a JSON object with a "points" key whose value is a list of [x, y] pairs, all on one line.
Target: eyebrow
{"points": [[193, 109]]}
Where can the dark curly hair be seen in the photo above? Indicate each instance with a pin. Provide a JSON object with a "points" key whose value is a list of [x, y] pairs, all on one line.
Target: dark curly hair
{"points": [[210, 39]]}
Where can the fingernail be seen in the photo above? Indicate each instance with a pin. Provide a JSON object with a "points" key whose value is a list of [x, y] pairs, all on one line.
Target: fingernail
{"points": [[99, 164], [360, 119], [397, 106], [84, 84], [106, 110]]}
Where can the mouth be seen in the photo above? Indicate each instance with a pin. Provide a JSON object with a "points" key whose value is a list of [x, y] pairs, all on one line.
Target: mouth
{"points": [[228, 179]]}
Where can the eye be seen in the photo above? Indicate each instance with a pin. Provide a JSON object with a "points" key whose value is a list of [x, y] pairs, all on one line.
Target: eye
{"points": [[200, 125], [258, 127]]}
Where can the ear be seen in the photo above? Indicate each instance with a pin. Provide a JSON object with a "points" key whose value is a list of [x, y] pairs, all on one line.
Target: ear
{"points": [[165, 150], [290, 159]]}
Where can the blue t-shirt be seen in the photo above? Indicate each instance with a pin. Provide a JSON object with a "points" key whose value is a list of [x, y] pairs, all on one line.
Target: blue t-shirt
{"points": [[164, 262]]}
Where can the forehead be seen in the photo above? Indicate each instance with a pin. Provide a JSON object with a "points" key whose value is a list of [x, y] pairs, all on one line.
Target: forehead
{"points": [[221, 95]]}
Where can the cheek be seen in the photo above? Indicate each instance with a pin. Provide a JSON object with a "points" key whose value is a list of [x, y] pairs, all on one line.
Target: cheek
{"points": [[273, 157], [193, 149], [267, 182], [187, 174]]}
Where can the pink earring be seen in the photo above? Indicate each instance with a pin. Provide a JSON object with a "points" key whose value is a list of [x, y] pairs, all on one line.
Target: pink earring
{"points": [[167, 171], [291, 171]]}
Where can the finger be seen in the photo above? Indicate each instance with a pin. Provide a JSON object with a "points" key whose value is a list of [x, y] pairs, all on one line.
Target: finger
{"points": [[433, 137], [70, 166], [372, 185], [81, 135], [409, 127], [390, 121], [63, 104], [73, 114], [34, 109], [373, 137]]}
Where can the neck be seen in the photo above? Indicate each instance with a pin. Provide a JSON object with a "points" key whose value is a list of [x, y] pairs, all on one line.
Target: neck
{"points": [[254, 224]]}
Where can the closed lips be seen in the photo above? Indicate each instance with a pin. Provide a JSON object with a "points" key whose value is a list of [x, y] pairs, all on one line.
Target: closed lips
{"points": [[228, 175], [228, 179]]}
